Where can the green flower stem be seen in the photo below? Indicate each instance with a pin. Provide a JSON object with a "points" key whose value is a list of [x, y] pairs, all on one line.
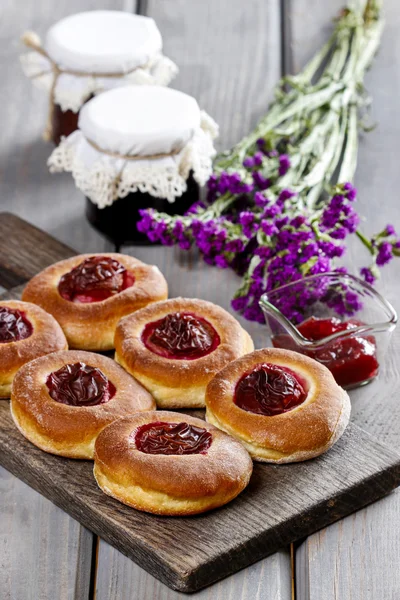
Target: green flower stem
{"points": [[366, 242]]}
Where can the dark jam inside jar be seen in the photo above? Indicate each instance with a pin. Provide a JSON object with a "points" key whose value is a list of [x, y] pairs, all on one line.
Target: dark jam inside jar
{"points": [[14, 325], [351, 360], [96, 278], [64, 122], [269, 390], [172, 438], [79, 384], [181, 336]]}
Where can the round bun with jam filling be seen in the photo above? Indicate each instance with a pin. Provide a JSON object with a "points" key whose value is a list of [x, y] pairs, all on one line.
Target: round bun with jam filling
{"points": [[89, 293], [170, 464], [62, 401], [283, 406], [26, 332], [174, 348]]}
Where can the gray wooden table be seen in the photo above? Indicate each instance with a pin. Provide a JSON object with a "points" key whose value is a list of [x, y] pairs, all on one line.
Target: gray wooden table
{"points": [[230, 53]]}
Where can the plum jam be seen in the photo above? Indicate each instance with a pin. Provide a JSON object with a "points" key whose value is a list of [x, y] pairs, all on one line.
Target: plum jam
{"points": [[80, 385], [351, 360], [181, 336], [14, 325], [269, 390], [172, 438], [96, 278]]}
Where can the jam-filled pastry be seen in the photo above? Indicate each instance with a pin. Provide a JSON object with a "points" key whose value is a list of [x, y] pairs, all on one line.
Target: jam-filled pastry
{"points": [[26, 332], [283, 406], [62, 401], [175, 347], [89, 293], [170, 464]]}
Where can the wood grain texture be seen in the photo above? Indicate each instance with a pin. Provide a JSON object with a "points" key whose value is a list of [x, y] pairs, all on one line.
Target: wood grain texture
{"points": [[280, 505], [228, 56], [24, 251], [44, 553], [355, 558], [229, 59], [118, 578]]}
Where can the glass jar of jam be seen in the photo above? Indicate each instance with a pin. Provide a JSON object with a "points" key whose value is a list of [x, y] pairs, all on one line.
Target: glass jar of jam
{"points": [[137, 147], [90, 52]]}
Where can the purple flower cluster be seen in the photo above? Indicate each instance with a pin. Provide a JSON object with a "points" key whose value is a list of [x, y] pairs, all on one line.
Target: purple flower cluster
{"points": [[227, 183], [267, 238], [339, 217], [384, 247]]}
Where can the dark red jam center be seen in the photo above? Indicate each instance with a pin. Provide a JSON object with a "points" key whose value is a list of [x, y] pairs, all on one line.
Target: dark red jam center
{"points": [[181, 336], [80, 385], [95, 279], [269, 390], [352, 360], [172, 438], [14, 325]]}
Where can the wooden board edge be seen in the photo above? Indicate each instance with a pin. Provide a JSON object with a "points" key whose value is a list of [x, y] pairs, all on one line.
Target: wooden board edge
{"points": [[268, 543], [378, 485]]}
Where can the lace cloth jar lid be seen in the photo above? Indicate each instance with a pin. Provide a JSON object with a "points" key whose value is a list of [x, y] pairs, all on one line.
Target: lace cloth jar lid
{"points": [[138, 138], [93, 51]]}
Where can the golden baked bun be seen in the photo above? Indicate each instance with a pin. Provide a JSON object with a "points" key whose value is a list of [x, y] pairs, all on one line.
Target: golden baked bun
{"points": [[26, 332], [89, 293], [175, 347], [170, 464], [62, 401], [283, 406]]}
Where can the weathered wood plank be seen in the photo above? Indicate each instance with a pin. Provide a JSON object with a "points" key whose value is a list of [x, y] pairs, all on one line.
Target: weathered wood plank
{"points": [[118, 578], [24, 250], [229, 59], [44, 553], [351, 559], [280, 505]]}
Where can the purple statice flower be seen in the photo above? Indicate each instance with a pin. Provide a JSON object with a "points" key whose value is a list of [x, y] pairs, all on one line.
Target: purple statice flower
{"points": [[254, 313], [298, 221], [271, 211], [339, 234], [285, 194], [249, 162], [390, 230], [195, 208], [260, 143], [146, 222], [247, 221], [239, 304], [261, 182], [235, 246], [308, 252], [350, 191], [260, 199], [264, 252], [284, 164], [322, 265], [367, 275], [268, 227], [331, 250], [221, 261], [385, 254]]}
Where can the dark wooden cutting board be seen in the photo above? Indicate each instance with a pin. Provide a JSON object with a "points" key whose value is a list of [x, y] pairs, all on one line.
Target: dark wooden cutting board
{"points": [[282, 503]]}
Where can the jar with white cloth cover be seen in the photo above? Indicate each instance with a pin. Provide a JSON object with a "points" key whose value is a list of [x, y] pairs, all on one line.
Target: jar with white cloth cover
{"points": [[90, 52], [137, 147]]}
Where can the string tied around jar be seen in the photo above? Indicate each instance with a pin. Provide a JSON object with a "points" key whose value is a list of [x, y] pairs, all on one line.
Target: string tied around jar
{"points": [[31, 40]]}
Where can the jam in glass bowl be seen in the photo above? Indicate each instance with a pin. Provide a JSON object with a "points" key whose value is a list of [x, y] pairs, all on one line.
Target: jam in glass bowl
{"points": [[334, 318]]}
